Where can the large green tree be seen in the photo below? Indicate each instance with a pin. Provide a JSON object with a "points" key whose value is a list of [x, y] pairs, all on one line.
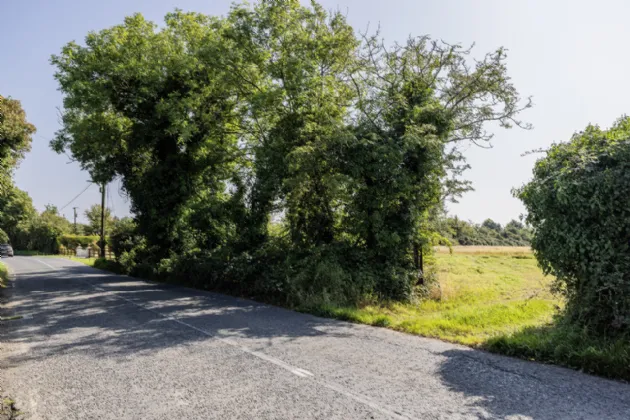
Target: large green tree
{"points": [[218, 125], [93, 214], [15, 139], [577, 203], [16, 207], [157, 112]]}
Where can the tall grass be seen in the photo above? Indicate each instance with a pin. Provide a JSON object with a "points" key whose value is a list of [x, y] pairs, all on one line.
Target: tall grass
{"points": [[478, 296]]}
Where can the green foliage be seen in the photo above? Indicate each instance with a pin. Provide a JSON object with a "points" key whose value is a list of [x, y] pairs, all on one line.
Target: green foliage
{"points": [[4, 238], [577, 205], [4, 274], [567, 345], [461, 232], [72, 241], [16, 207], [52, 217], [41, 232], [216, 126], [38, 235], [93, 214], [108, 265], [124, 237], [15, 140]]}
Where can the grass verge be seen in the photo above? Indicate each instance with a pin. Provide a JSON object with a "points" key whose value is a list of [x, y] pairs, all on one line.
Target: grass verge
{"points": [[497, 300], [478, 296], [27, 253], [100, 263], [4, 274], [565, 345]]}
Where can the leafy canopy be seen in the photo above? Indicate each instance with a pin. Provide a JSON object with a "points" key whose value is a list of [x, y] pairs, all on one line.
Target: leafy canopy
{"points": [[278, 112], [93, 214], [15, 139]]}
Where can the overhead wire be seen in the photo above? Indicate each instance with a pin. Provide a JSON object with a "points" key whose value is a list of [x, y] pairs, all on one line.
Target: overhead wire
{"points": [[110, 202], [77, 196]]}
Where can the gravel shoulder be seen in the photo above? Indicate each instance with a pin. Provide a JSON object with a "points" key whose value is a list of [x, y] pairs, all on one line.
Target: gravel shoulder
{"points": [[93, 345]]}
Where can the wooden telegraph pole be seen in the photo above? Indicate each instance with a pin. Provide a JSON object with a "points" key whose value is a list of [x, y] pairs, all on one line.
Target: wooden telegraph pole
{"points": [[103, 220], [75, 219]]}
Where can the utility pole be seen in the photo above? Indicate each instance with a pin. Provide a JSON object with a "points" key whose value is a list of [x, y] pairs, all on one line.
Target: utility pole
{"points": [[103, 220], [75, 219]]}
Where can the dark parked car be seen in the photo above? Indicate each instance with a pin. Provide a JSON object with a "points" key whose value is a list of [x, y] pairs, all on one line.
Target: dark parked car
{"points": [[6, 250]]}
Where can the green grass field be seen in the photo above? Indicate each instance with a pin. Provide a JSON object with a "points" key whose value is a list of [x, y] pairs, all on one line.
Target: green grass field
{"points": [[479, 295]]}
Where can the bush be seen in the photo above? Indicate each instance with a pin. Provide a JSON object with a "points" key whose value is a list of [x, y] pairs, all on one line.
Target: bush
{"points": [[577, 204], [72, 241], [37, 235], [108, 265], [567, 345], [124, 237], [4, 238]]}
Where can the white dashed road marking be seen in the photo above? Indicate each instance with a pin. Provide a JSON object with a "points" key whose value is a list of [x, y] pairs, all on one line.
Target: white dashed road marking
{"points": [[303, 373]]}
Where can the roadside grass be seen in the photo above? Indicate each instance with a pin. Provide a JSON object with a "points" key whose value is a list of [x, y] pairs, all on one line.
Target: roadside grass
{"points": [[4, 274], [497, 299], [87, 261], [100, 263], [26, 253], [477, 296], [565, 345]]}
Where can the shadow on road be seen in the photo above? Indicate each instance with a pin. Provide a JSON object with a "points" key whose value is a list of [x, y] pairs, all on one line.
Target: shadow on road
{"points": [[135, 317], [79, 311]]}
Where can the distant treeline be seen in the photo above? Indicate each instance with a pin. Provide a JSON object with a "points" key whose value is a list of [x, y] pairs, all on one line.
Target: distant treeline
{"points": [[461, 232]]}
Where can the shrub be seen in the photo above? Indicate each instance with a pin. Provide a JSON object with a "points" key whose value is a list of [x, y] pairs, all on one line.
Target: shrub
{"points": [[37, 235], [124, 237], [569, 346], [72, 241], [577, 204], [108, 265]]}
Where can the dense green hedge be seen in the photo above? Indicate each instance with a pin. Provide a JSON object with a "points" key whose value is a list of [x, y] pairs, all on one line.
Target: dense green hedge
{"points": [[577, 203], [72, 241]]}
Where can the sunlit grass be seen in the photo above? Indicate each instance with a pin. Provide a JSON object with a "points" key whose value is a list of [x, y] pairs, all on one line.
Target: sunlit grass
{"points": [[478, 296], [86, 261], [4, 274]]}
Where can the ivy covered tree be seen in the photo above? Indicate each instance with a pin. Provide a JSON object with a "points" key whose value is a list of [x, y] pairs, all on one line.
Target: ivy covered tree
{"points": [[577, 204], [219, 126]]}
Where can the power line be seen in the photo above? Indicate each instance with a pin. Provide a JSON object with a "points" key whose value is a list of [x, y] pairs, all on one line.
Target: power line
{"points": [[111, 203], [78, 195]]}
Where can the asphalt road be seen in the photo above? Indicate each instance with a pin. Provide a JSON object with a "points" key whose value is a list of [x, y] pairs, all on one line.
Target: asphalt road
{"points": [[97, 346]]}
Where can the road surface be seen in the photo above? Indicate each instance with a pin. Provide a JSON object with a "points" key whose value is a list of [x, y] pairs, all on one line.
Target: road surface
{"points": [[93, 345]]}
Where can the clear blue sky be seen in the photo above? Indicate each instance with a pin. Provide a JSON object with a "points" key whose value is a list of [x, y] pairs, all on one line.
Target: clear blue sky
{"points": [[571, 56]]}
